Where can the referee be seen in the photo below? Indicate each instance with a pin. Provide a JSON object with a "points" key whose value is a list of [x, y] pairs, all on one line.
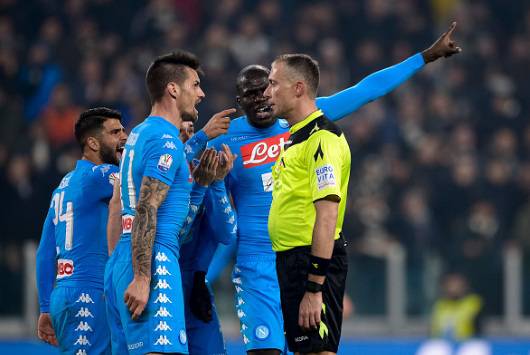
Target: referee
{"points": [[309, 198]]}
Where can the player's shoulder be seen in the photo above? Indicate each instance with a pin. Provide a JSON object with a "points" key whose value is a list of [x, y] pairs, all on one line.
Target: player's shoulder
{"points": [[104, 173]]}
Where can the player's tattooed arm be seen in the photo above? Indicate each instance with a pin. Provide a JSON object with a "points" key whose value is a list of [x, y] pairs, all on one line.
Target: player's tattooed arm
{"points": [[152, 193]]}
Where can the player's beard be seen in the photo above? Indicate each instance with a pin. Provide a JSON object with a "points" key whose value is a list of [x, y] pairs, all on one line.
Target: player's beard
{"points": [[108, 155], [189, 116]]}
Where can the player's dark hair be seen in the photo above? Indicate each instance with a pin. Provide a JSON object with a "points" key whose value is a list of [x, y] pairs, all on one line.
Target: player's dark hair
{"points": [[167, 68], [248, 73], [304, 65], [91, 121]]}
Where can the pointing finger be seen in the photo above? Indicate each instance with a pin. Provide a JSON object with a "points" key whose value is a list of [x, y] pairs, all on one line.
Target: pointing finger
{"points": [[451, 29]]}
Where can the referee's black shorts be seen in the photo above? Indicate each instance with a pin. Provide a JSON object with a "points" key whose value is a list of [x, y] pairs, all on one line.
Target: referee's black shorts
{"points": [[292, 268]]}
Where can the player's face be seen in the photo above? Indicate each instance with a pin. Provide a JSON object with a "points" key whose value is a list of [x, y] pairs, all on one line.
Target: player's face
{"points": [[253, 101], [112, 142], [190, 96], [281, 90], [187, 130]]}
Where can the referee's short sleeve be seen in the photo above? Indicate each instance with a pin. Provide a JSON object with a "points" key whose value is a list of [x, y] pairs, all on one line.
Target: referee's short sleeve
{"points": [[324, 160]]}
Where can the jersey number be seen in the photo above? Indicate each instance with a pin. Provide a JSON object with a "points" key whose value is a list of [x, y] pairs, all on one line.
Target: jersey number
{"points": [[130, 182], [67, 216]]}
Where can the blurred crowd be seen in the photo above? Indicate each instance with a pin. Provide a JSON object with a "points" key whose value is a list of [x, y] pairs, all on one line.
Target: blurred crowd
{"points": [[440, 167]]}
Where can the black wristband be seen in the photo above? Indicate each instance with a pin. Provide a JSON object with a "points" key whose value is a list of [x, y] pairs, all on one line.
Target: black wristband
{"points": [[313, 287], [318, 266]]}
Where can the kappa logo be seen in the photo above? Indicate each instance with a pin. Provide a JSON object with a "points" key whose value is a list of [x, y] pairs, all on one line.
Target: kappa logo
{"points": [[227, 210], [237, 280], [162, 257], [245, 339], [194, 208], [234, 230], [240, 301], [162, 298], [188, 149], [162, 270], [231, 220], [264, 151], [104, 169], [133, 137], [65, 181], [84, 313], [170, 145], [165, 162], [238, 289], [224, 200], [81, 352], [162, 340], [162, 326], [82, 340], [83, 327], [163, 313], [113, 177], [241, 314], [244, 327], [162, 284], [84, 298]]}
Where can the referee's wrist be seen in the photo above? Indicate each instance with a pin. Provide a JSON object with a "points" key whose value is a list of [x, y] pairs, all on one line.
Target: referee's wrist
{"points": [[313, 287]]}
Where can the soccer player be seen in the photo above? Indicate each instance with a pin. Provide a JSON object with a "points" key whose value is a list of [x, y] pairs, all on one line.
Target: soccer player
{"points": [[73, 251], [308, 202], [144, 287], [257, 138], [214, 222]]}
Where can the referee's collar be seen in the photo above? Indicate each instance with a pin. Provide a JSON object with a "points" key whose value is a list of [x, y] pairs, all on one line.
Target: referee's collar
{"points": [[306, 120]]}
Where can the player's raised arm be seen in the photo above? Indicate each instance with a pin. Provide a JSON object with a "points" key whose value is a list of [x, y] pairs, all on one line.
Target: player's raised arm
{"points": [[152, 193], [382, 82]]}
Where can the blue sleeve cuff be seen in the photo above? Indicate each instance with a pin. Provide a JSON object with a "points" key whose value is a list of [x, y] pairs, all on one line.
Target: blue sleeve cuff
{"points": [[201, 136], [417, 60], [45, 308]]}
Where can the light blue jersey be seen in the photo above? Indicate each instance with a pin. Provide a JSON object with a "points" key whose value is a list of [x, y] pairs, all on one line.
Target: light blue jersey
{"points": [[154, 150], [250, 185], [72, 254], [214, 223]]}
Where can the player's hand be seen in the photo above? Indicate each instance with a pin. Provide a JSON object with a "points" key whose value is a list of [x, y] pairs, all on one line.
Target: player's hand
{"points": [[226, 162], [204, 173], [45, 329], [218, 124], [200, 300], [444, 46], [309, 311], [136, 296]]}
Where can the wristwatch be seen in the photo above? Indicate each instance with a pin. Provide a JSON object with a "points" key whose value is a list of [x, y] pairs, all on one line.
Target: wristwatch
{"points": [[313, 287]]}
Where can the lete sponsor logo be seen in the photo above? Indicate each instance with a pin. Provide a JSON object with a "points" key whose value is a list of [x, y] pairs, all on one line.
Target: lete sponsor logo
{"points": [[264, 151], [65, 268]]}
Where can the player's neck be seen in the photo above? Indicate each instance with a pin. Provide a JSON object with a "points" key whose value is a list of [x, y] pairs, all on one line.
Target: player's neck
{"points": [[92, 157], [301, 111], [167, 111]]}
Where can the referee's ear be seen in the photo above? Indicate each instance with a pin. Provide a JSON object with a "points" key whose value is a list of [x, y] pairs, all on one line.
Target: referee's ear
{"points": [[299, 89]]}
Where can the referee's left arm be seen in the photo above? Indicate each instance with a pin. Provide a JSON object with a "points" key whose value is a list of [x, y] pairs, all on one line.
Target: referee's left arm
{"points": [[325, 162]]}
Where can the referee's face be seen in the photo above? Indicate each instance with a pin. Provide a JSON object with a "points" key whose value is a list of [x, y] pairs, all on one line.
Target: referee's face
{"points": [[280, 90]]}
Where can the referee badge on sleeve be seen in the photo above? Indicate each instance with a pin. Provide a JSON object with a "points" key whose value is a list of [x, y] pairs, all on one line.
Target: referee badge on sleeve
{"points": [[325, 176]]}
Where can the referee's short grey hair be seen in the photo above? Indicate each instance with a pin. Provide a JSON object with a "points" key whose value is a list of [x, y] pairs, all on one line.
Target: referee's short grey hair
{"points": [[304, 65]]}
